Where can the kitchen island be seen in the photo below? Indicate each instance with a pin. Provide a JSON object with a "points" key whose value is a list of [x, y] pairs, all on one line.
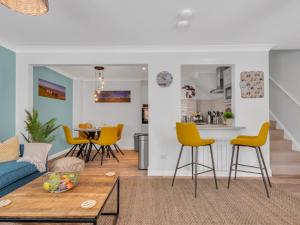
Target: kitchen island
{"points": [[222, 148]]}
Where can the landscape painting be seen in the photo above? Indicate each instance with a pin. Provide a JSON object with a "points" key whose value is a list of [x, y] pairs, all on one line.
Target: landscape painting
{"points": [[51, 90], [113, 96]]}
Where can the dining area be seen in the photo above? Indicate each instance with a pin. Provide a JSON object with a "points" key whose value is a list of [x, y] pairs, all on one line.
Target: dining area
{"points": [[92, 141]]}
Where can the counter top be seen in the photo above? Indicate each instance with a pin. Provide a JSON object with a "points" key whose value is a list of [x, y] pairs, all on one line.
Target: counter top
{"points": [[218, 127]]}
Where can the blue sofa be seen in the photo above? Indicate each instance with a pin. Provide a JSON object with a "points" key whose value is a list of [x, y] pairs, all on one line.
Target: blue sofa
{"points": [[15, 174]]}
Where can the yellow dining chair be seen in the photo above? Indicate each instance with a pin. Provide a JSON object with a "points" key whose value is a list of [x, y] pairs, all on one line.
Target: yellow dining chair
{"points": [[188, 135], [108, 137], [82, 134], [120, 127], [76, 142], [255, 142]]}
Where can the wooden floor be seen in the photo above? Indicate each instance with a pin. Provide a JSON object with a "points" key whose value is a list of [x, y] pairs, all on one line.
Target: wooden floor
{"points": [[128, 166]]}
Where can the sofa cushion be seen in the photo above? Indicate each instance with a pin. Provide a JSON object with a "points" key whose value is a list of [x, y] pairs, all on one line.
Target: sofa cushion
{"points": [[12, 171], [9, 150]]}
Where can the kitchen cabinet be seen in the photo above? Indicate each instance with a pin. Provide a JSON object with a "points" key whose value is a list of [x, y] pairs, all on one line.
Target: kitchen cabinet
{"points": [[227, 76]]}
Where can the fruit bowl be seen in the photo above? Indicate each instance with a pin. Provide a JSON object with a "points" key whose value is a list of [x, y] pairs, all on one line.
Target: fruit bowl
{"points": [[57, 182]]}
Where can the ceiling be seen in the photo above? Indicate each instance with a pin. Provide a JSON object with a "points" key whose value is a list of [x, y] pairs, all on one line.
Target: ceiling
{"points": [[152, 23], [111, 72]]}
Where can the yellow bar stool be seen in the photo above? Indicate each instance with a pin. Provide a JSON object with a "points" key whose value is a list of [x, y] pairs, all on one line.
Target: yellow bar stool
{"points": [[188, 135], [254, 142]]}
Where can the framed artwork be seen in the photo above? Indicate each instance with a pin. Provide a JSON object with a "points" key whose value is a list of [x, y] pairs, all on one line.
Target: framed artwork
{"points": [[51, 90], [252, 84], [113, 96]]}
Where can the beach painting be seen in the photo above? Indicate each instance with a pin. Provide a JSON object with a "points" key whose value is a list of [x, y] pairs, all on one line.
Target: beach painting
{"points": [[113, 96], [51, 90]]}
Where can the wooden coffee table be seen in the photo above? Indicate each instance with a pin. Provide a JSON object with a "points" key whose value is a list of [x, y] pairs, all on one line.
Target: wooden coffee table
{"points": [[31, 203]]}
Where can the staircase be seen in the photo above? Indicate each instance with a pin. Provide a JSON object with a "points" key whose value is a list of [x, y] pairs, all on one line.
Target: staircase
{"points": [[284, 161]]}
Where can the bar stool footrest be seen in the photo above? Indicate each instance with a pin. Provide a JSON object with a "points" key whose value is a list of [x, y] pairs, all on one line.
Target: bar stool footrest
{"points": [[184, 165], [256, 167], [206, 171], [246, 171], [204, 166]]}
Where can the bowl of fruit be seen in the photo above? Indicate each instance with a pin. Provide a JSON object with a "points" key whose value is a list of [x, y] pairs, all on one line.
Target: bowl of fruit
{"points": [[57, 182]]}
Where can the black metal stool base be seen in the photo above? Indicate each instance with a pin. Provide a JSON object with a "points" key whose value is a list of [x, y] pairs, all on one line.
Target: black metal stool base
{"points": [[261, 162], [196, 164]]}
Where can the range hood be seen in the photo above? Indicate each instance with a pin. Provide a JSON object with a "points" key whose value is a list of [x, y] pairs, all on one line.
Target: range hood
{"points": [[219, 80]]}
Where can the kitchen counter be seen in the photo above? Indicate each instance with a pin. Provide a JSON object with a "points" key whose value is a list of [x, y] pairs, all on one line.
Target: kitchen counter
{"points": [[218, 127]]}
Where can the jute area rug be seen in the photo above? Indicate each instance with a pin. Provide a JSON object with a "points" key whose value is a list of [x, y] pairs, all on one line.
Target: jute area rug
{"points": [[152, 201]]}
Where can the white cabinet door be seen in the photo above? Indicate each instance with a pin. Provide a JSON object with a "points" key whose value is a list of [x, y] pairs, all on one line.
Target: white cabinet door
{"points": [[227, 76]]}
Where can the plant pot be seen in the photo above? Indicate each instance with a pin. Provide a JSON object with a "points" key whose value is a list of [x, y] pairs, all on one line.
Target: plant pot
{"points": [[228, 122]]}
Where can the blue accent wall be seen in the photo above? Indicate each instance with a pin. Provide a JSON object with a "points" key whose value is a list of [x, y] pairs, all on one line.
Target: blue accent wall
{"points": [[7, 93], [53, 108]]}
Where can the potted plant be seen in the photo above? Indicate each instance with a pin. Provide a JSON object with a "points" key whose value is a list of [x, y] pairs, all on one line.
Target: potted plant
{"points": [[38, 131], [228, 117]]}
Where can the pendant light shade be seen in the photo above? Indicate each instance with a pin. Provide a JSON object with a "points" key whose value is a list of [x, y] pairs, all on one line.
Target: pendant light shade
{"points": [[28, 7], [99, 81]]}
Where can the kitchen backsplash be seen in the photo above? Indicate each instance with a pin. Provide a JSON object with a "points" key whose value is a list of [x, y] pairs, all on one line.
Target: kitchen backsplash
{"points": [[189, 106], [204, 106]]}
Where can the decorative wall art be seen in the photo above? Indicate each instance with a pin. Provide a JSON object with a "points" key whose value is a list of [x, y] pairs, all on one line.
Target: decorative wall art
{"points": [[164, 79], [252, 84], [188, 92], [113, 96], [51, 90]]}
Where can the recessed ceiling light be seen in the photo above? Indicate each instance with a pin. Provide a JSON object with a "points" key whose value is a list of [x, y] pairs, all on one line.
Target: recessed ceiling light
{"points": [[144, 68], [186, 14], [183, 23]]}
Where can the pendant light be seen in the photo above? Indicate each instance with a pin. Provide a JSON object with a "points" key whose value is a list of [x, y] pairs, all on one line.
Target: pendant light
{"points": [[99, 81], [27, 7]]}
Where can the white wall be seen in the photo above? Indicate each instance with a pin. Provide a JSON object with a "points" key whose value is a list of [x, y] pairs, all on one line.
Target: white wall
{"points": [[285, 71], [164, 103], [112, 113]]}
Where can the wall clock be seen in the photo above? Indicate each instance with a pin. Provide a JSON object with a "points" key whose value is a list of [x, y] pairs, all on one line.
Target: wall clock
{"points": [[164, 79]]}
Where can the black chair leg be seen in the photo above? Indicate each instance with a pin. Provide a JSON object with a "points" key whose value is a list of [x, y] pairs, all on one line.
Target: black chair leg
{"points": [[71, 150], [102, 155], [112, 153], [74, 150], [213, 166], [118, 149], [177, 165], [262, 172], [97, 152], [192, 163], [236, 161], [196, 171], [262, 158], [230, 169], [81, 150], [87, 159]]}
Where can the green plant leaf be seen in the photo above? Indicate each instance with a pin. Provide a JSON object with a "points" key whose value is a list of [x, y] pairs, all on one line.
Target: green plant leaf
{"points": [[37, 131]]}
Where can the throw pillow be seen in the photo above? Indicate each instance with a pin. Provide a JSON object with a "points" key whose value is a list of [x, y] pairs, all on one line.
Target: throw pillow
{"points": [[9, 149], [68, 164], [37, 154]]}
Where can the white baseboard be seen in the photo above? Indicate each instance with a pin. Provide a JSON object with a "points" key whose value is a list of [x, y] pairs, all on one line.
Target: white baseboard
{"points": [[63, 152], [287, 133], [170, 173]]}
